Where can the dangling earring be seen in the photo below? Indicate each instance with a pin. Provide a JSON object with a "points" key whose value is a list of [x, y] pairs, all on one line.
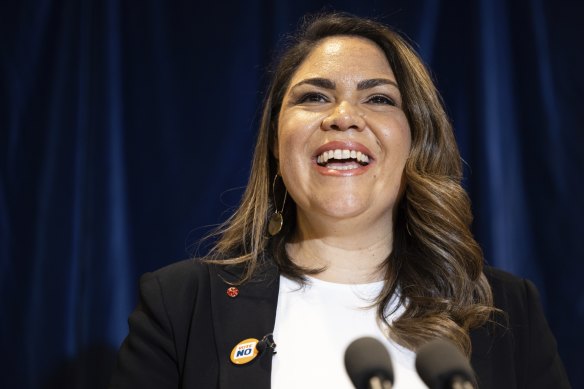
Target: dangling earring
{"points": [[276, 220]]}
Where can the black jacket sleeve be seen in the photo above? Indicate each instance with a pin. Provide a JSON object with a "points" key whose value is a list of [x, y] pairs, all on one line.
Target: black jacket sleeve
{"points": [[544, 367], [517, 350], [148, 357], [168, 330]]}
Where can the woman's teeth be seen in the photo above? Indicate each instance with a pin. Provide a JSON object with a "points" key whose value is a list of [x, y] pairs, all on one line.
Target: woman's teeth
{"points": [[342, 159], [343, 166]]}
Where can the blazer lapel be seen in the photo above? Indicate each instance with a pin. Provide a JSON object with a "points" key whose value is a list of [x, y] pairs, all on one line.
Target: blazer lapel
{"points": [[250, 314]]}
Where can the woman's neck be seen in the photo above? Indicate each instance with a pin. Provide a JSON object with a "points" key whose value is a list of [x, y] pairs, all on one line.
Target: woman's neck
{"points": [[349, 253]]}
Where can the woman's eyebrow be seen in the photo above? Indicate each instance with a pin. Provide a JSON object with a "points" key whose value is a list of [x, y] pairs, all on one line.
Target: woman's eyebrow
{"points": [[367, 84], [324, 83]]}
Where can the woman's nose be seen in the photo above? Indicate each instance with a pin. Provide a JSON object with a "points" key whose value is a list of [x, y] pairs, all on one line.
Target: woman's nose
{"points": [[345, 116]]}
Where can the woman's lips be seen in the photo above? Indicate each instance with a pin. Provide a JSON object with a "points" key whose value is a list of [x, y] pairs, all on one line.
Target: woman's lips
{"points": [[342, 158], [330, 171]]}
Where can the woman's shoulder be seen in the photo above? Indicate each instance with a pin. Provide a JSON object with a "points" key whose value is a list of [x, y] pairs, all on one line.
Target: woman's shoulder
{"points": [[511, 291], [523, 332], [176, 282], [189, 277], [185, 268], [501, 277], [185, 271]]}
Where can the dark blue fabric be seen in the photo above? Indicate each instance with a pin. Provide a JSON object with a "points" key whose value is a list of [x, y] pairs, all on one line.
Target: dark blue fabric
{"points": [[126, 130]]}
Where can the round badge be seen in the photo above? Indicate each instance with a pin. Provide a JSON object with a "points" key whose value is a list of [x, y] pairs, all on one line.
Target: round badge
{"points": [[245, 351], [232, 291]]}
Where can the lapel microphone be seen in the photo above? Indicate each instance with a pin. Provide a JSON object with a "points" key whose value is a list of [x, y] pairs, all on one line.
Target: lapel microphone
{"points": [[267, 342]]}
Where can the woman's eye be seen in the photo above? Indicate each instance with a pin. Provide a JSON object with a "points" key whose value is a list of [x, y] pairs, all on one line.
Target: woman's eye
{"points": [[312, 98], [381, 100]]}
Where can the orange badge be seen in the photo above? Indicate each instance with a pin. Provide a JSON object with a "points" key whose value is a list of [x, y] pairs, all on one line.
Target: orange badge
{"points": [[245, 351]]}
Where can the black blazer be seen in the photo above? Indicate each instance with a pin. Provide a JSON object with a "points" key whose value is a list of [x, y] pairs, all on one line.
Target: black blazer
{"points": [[185, 326]]}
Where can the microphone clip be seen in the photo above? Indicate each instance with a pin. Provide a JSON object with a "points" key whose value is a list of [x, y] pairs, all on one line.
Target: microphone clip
{"points": [[267, 342]]}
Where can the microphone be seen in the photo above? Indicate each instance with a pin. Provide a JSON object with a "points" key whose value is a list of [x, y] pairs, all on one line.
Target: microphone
{"points": [[442, 366], [368, 364]]}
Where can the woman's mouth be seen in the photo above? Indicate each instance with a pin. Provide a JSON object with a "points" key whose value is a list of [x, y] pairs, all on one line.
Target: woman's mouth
{"points": [[342, 159]]}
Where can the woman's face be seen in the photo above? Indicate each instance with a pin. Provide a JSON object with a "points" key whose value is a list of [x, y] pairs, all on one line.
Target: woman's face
{"points": [[343, 138]]}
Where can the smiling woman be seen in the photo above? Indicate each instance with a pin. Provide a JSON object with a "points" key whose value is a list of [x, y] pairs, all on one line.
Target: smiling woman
{"points": [[374, 241]]}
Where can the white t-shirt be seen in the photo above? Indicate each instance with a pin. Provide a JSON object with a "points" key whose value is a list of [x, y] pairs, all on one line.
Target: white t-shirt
{"points": [[314, 326]]}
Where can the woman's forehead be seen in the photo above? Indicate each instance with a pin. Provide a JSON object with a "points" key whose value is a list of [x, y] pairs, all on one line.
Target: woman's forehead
{"points": [[344, 58]]}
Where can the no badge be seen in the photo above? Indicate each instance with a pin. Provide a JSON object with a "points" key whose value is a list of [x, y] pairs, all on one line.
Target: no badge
{"points": [[244, 351]]}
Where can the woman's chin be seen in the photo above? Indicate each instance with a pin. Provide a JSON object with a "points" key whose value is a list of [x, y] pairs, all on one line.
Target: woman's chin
{"points": [[341, 208]]}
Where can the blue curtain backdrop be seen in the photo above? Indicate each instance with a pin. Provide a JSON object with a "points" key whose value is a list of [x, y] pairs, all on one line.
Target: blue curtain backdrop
{"points": [[126, 130]]}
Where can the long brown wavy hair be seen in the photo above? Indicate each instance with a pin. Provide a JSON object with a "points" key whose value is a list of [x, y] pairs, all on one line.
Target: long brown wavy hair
{"points": [[435, 266]]}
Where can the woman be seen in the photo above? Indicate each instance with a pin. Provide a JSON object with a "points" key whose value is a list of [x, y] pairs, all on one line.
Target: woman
{"points": [[353, 223]]}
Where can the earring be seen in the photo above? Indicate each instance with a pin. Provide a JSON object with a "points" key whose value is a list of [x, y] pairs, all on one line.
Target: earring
{"points": [[276, 220]]}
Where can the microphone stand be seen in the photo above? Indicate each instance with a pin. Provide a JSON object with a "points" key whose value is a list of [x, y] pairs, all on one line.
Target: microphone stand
{"points": [[377, 383], [459, 382]]}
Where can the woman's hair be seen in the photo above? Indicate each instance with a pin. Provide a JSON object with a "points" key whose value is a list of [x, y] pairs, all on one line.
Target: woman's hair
{"points": [[436, 266]]}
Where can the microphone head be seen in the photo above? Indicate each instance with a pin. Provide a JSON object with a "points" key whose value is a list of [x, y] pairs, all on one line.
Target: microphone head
{"points": [[439, 362], [366, 358]]}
